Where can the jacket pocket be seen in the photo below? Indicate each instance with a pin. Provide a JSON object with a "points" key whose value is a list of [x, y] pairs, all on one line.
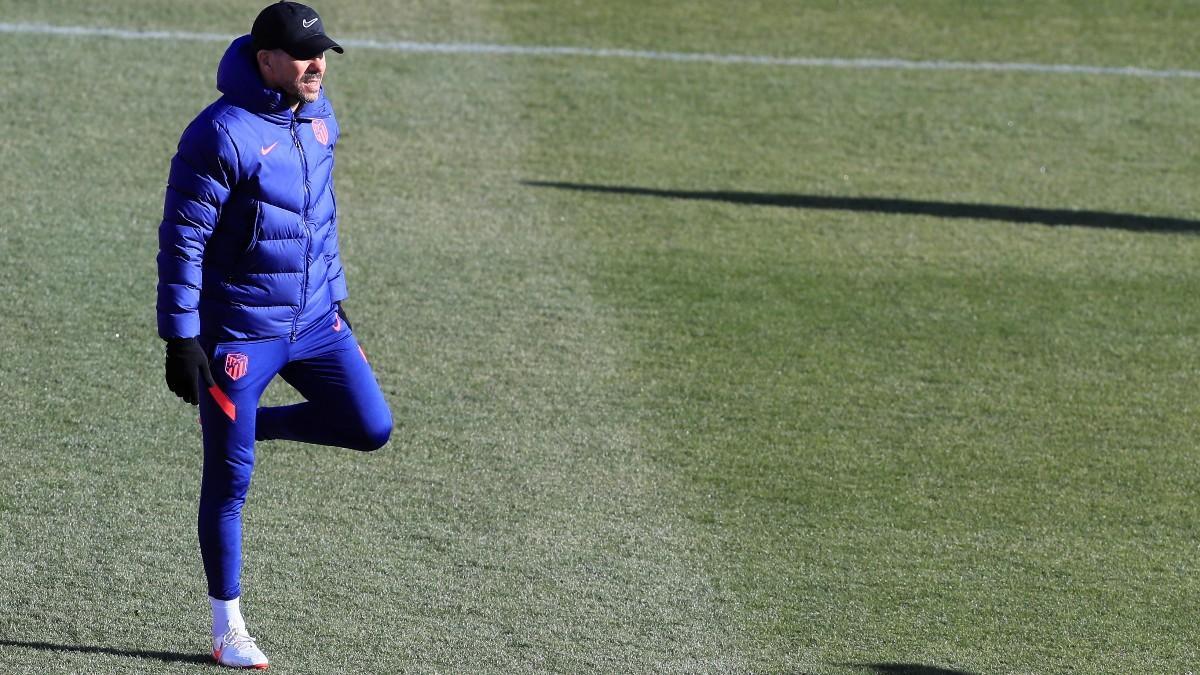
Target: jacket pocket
{"points": [[255, 227]]}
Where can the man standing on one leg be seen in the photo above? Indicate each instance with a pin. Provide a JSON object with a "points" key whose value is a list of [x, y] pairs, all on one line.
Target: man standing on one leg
{"points": [[251, 286]]}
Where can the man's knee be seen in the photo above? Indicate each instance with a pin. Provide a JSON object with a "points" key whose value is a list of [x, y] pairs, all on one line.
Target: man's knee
{"points": [[226, 474], [375, 433]]}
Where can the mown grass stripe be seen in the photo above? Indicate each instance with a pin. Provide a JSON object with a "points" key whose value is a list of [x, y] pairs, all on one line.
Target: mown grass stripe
{"points": [[473, 48]]}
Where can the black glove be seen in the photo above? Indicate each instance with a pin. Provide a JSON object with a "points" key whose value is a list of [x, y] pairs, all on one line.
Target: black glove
{"points": [[341, 311], [187, 366]]}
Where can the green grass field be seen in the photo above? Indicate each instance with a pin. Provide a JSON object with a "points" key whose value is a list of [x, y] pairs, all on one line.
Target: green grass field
{"points": [[697, 367]]}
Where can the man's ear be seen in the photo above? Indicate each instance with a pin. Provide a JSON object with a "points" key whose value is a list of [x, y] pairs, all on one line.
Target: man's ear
{"points": [[263, 56]]}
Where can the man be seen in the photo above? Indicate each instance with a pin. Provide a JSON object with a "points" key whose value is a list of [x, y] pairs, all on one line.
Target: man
{"points": [[251, 285]]}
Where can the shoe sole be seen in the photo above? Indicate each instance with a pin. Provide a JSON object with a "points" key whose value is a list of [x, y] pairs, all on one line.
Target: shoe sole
{"points": [[257, 666]]}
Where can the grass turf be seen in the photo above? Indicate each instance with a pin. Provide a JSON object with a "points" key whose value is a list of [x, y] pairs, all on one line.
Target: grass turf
{"points": [[638, 432]]}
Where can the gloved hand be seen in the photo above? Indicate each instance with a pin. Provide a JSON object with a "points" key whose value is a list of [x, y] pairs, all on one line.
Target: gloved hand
{"points": [[341, 311], [187, 367]]}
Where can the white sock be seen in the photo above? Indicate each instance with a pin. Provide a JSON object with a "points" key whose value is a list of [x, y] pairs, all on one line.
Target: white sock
{"points": [[226, 614]]}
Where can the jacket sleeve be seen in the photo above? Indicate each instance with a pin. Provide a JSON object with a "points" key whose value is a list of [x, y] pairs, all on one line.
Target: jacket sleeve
{"points": [[333, 252], [337, 276], [203, 172]]}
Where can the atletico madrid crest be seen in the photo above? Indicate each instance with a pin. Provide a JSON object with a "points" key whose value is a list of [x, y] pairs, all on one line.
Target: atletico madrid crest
{"points": [[236, 365], [320, 131]]}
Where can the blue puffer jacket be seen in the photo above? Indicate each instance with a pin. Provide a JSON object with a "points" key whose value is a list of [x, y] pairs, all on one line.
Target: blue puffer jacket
{"points": [[248, 245]]}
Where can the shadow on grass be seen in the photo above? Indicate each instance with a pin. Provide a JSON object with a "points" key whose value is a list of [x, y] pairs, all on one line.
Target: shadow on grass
{"points": [[1012, 214], [168, 657], [906, 669]]}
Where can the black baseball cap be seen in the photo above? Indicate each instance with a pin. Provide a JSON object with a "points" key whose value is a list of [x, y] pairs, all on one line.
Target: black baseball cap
{"points": [[294, 28]]}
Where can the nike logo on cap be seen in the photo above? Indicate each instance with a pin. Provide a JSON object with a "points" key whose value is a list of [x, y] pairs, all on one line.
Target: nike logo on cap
{"points": [[264, 151], [308, 23]]}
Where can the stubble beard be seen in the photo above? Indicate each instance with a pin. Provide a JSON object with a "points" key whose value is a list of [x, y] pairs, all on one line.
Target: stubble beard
{"points": [[297, 94]]}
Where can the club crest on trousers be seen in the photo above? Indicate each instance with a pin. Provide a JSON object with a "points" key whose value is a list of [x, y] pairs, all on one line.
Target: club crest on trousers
{"points": [[236, 365]]}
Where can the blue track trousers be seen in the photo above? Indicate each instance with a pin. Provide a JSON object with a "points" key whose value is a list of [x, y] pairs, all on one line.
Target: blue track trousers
{"points": [[344, 408]]}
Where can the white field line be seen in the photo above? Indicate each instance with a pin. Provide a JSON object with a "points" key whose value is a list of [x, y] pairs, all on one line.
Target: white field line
{"points": [[650, 55]]}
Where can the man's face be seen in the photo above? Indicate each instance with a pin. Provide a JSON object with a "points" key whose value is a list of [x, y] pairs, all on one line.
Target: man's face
{"points": [[299, 79]]}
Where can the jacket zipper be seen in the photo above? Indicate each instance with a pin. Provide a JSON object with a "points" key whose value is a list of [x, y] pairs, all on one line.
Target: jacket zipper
{"points": [[307, 231]]}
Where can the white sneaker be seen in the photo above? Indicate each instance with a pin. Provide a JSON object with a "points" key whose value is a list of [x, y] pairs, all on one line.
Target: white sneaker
{"points": [[236, 649]]}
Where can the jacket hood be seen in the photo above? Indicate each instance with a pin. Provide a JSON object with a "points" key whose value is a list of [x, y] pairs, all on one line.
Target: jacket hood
{"points": [[239, 80]]}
